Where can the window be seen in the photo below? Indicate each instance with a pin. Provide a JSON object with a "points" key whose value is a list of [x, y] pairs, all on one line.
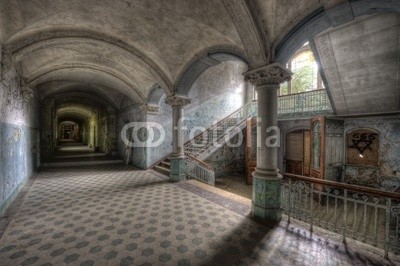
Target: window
{"points": [[305, 73]]}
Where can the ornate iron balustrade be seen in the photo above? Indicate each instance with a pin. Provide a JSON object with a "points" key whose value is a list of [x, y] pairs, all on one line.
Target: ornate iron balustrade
{"points": [[368, 215], [214, 134], [199, 170], [313, 102]]}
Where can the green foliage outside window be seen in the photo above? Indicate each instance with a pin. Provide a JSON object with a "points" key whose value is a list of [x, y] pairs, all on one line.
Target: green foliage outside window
{"points": [[303, 79], [305, 72]]}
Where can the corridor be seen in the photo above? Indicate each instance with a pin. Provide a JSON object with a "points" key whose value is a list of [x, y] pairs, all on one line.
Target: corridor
{"points": [[113, 214]]}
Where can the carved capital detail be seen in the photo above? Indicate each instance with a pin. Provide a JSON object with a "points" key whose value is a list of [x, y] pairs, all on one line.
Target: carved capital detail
{"points": [[178, 101], [273, 74], [150, 109]]}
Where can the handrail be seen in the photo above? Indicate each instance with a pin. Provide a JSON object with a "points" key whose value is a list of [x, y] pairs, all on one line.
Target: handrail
{"points": [[205, 165], [197, 170], [221, 121], [355, 188], [299, 93]]}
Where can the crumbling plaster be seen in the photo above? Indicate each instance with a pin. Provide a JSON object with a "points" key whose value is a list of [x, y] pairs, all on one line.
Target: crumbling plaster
{"points": [[219, 91], [19, 136]]}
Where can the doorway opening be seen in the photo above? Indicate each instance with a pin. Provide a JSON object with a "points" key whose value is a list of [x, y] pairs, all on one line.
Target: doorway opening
{"points": [[298, 152]]}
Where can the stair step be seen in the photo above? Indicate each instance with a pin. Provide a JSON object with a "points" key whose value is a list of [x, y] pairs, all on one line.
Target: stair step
{"points": [[165, 164], [162, 170]]}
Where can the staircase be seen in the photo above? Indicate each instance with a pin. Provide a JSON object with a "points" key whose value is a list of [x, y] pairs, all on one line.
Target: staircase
{"points": [[206, 143], [163, 167]]}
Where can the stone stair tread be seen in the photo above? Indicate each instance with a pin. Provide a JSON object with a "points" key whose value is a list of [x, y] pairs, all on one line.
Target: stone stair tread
{"points": [[165, 164], [162, 170], [215, 133]]}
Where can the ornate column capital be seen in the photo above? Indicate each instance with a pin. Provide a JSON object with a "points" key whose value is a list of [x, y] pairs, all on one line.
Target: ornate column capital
{"points": [[273, 74], [178, 100], [150, 109]]}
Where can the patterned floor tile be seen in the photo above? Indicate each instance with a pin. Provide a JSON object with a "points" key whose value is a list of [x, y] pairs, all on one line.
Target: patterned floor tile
{"points": [[114, 214]]}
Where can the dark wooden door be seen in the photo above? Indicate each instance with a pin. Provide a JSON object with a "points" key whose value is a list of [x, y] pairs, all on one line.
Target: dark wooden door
{"points": [[298, 153]]}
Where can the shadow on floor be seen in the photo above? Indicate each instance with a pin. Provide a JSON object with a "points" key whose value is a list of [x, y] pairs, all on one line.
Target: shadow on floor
{"points": [[71, 151]]}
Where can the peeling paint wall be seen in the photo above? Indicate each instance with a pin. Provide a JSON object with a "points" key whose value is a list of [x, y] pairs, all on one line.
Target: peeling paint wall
{"points": [[218, 92], [97, 119], [387, 175], [164, 118], [228, 159], [19, 137], [138, 155]]}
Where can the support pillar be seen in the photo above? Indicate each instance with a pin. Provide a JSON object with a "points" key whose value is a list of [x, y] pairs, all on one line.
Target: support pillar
{"points": [[267, 182], [177, 158]]}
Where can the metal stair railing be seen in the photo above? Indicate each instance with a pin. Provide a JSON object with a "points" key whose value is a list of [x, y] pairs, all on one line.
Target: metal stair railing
{"points": [[203, 141], [199, 170], [368, 215]]}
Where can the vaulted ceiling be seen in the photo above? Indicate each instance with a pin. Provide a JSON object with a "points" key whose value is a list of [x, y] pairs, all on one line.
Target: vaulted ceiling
{"points": [[121, 50], [127, 46], [361, 62]]}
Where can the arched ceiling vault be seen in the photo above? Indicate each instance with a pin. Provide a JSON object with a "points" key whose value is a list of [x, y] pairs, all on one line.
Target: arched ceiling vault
{"points": [[124, 48], [65, 118], [85, 111], [132, 44], [74, 116], [62, 89], [46, 55], [89, 75]]}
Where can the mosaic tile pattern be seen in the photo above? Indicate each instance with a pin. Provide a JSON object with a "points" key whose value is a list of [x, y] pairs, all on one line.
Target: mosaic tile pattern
{"points": [[235, 183], [113, 214]]}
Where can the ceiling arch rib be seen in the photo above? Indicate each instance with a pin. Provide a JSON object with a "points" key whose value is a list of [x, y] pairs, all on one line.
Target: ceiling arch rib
{"points": [[166, 44], [89, 76], [74, 116], [92, 55], [67, 50], [202, 63], [84, 111], [320, 20], [79, 119], [101, 94], [253, 38], [155, 95], [25, 43]]}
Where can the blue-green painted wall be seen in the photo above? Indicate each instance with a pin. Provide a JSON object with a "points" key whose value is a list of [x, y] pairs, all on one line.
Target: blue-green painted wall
{"points": [[19, 138]]}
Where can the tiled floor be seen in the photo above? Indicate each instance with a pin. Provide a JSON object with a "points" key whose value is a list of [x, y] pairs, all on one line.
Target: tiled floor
{"points": [[236, 184], [113, 214]]}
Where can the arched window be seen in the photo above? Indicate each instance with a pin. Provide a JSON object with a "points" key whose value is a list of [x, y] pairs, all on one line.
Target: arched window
{"points": [[305, 73]]}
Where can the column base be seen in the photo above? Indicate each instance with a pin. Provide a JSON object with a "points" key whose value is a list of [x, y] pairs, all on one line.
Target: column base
{"points": [[266, 204], [177, 169]]}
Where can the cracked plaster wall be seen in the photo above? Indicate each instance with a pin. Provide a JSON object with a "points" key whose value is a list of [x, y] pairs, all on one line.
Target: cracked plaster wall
{"points": [[387, 175], [219, 91], [229, 159], [19, 136]]}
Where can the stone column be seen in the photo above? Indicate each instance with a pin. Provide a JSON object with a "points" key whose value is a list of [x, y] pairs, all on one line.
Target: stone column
{"points": [[267, 182], [177, 158]]}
